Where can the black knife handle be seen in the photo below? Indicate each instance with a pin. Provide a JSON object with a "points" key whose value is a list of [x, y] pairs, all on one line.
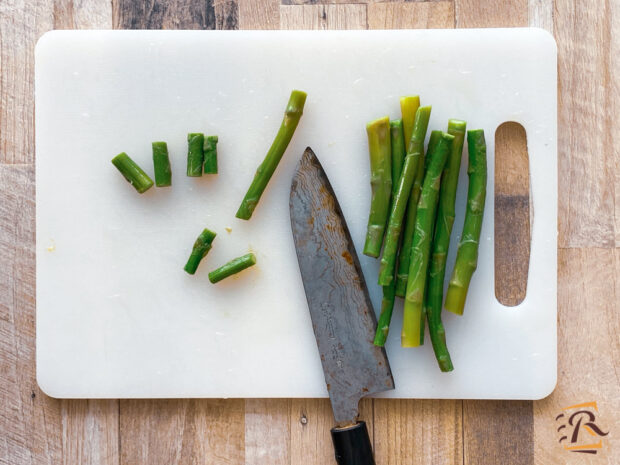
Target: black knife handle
{"points": [[352, 445]]}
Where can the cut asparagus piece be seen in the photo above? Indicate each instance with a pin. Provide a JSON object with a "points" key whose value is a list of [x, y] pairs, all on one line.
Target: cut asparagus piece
{"points": [[292, 115], [195, 154], [161, 164], [232, 267], [467, 254], [441, 243], [408, 107], [199, 250], [379, 149], [413, 317], [210, 155], [432, 142], [416, 145], [399, 150], [132, 172], [385, 317]]}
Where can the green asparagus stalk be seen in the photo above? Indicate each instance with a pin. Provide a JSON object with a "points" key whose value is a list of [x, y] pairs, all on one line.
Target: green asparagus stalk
{"points": [[292, 115], [467, 254], [210, 155], [199, 250], [161, 164], [232, 267], [387, 303], [441, 243], [408, 107], [432, 142], [132, 172], [379, 149], [195, 154], [416, 145], [413, 317]]}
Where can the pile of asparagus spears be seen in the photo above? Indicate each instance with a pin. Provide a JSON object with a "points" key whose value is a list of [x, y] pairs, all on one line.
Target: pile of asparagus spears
{"points": [[411, 216]]}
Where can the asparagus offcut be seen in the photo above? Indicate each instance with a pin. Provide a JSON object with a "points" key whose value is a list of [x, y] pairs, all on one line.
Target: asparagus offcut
{"points": [[408, 107], [413, 318], [379, 149], [416, 145], [292, 115], [210, 155], [195, 154], [132, 172], [441, 243], [432, 142], [232, 267], [467, 254], [161, 164], [199, 250], [397, 141]]}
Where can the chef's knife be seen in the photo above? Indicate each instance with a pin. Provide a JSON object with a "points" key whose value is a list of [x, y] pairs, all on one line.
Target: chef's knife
{"points": [[342, 315]]}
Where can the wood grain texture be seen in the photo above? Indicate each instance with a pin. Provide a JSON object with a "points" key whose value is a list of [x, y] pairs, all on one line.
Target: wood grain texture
{"points": [[490, 13], [431, 15], [188, 431], [311, 420], [588, 104], [418, 432], [588, 349], [259, 14], [267, 431], [30, 426], [348, 16], [540, 13], [82, 14], [512, 214], [90, 432]]}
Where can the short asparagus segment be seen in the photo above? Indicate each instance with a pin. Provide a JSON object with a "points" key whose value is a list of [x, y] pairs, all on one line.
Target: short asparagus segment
{"points": [[132, 172], [292, 115], [195, 154], [387, 303], [413, 317], [408, 107], [210, 155], [161, 164], [232, 267], [199, 250], [432, 142], [416, 145], [379, 149], [467, 255], [441, 243]]}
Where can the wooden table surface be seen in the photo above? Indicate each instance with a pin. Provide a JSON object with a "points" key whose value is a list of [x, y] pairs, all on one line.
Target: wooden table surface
{"points": [[36, 429]]}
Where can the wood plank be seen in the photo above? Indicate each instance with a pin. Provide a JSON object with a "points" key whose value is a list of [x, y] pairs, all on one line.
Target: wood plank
{"points": [[182, 431], [311, 421], [348, 16], [30, 425], [418, 432], [259, 14], [541, 14], [163, 14], [82, 14], [588, 350], [90, 432], [21, 24], [431, 15], [490, 13], [267, 431], [588, 102], [512, 214]]}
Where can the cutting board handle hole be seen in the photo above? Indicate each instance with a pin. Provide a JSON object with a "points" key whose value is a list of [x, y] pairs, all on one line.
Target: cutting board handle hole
{"points": [[512, 213]]}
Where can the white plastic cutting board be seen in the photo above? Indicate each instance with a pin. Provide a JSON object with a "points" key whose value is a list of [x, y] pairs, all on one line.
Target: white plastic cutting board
{"points": [[116, 314]]}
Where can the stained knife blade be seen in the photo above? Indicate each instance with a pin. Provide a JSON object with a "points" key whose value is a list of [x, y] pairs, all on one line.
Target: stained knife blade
{"points": [[343, 318]]}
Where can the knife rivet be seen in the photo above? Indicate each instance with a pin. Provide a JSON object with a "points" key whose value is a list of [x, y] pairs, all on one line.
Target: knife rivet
{"points": [[303, 419]]}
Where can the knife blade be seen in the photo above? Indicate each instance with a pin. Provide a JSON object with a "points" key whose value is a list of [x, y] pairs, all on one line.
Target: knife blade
{"points": [[343, 318]]}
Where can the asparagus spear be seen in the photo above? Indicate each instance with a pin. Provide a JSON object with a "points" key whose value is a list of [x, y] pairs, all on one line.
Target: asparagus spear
{"points": [[379, 148], [195, 154], [132, 172], [413, 318], [232, 267], [441, 242], [416, 144], [199, 250], [408, 107], [432, 142], [161, 164], [294, 110], [387, 303], [467, 255], [210, 155]]}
